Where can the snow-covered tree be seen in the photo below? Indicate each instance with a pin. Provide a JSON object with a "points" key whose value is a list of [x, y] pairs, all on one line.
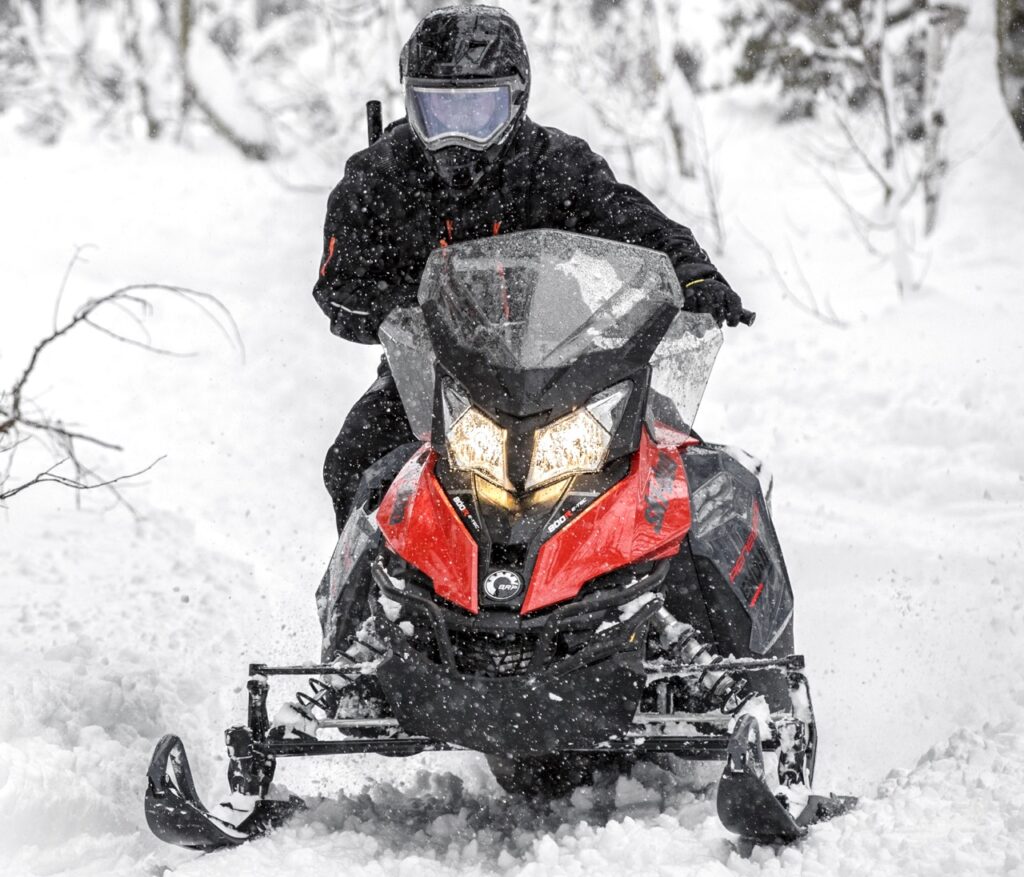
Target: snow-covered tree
{"points": [[849, 50], [290, 78], [127, 67], [873, 68], [1011, 57]]}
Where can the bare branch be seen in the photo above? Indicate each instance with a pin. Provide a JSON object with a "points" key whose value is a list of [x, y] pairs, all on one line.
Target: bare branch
{"points": [[861, 224], [812, 308], [49, 477], [22, 419], [59, 430], [209, 304], [862, 153], [75, 258], [144, 345]]}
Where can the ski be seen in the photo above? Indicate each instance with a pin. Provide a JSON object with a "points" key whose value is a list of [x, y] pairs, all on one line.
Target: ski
{"points": [[176, 814], [748, 807]]}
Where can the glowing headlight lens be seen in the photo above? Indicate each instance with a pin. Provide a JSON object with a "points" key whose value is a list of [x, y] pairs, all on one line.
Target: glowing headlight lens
{"points": [[477, 444], [576, 443], [579, 441]]}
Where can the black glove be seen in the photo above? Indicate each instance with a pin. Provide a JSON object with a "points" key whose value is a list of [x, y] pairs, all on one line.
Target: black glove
{"points": [[716, 298]]}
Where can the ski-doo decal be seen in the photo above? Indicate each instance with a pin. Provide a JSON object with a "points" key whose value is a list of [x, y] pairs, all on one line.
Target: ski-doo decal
{"points": [[643, 517], [423, 528]]}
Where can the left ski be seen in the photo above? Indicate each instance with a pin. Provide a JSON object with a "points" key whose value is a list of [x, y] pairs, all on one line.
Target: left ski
{"points": [[748, 807], [176, 814]]}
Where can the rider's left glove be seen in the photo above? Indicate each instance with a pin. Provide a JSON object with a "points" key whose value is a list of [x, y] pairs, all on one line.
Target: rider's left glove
{"points": [[713, 297]]}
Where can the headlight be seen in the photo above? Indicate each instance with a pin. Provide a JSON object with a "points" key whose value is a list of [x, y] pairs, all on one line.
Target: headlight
{"points": [[579, 441], [475, 442]]}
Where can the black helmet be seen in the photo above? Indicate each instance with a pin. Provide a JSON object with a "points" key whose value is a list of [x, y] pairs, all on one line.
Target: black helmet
{"points": [[467, 81]]}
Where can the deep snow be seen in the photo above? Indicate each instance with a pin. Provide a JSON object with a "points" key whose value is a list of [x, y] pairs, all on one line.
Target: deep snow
{"points": [[897, 444]]}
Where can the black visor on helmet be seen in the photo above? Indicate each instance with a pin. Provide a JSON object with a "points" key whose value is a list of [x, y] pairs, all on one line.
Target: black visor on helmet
{"points": [[474, 115]]}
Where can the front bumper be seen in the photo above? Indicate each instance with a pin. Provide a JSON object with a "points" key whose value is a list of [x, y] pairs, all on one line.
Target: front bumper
{"points": [[573, 682], [520, 715]]}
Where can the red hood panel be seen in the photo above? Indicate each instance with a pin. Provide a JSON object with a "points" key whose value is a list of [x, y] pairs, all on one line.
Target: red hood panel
{"points": [[645, 515], [421, 526]]}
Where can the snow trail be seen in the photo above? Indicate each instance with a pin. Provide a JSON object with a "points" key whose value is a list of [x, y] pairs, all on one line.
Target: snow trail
{"points": [[897, 445]]}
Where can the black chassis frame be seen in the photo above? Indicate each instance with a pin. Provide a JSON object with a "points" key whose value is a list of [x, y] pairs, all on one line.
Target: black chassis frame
{"points": [[253, 748], [253, 751], [176, 815]]}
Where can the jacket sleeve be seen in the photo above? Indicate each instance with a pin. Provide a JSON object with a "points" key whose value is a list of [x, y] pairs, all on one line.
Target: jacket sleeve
{"points": [[359, 281], [598, 204]]}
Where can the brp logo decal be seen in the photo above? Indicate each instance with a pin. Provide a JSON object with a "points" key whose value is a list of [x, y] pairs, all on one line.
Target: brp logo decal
{"points": [[503, 585]]}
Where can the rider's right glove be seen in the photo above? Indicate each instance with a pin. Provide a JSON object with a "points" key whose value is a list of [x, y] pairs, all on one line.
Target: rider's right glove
{"points": [[713, 297]]}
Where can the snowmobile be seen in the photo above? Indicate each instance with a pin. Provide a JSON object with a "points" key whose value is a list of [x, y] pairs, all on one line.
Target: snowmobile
{"points": [[560, 573]]}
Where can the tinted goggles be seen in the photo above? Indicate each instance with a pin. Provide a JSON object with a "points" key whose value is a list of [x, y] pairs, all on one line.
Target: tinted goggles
{"points": [[472, 115]]}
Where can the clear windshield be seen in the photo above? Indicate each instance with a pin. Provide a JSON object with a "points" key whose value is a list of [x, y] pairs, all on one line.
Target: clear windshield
{"points": [[542, 299], [411, 357], [680, 369]]}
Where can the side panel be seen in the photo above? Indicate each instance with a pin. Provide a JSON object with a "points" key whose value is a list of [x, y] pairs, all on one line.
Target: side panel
{"points": [[341, 598], [733, 534], [420, 525], [645, 516]]}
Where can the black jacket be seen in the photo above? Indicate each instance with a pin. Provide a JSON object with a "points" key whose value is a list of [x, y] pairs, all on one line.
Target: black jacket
{"points": [[390, 211]]}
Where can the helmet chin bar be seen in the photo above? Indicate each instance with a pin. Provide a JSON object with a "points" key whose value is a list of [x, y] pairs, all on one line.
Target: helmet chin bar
{"points": [[460, 168]]}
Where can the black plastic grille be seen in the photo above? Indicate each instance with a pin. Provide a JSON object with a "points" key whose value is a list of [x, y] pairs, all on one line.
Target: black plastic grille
{"points": [[493, 654]]}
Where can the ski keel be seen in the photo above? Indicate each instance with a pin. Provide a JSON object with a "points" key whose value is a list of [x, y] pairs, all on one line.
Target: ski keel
{"points": [[748, 807], [176, 815]]}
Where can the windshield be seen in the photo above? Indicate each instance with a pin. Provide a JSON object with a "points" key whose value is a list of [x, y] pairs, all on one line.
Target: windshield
{"points": [[541, 300]]}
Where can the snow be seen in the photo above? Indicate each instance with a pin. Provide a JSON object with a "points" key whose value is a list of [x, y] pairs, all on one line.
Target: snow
{"points": [[897, 445]]}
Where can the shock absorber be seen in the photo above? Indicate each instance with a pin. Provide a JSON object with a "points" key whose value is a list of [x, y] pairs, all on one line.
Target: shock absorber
{"points": [[720, 689], [365, 647]]}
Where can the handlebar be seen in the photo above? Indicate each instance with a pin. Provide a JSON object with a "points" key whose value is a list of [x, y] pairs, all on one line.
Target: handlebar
{"points": [[747, 318]]}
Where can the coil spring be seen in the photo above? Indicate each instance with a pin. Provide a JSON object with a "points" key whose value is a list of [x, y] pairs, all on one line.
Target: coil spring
{"points": [[721, 689], [325, 695]]}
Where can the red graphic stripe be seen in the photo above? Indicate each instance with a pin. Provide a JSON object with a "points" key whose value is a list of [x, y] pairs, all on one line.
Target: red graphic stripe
{"points": [[757, 595], [747, 546], [331, 244]]}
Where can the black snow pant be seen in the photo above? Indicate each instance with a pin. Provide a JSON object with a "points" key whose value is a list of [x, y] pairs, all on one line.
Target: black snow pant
{"points": [[376, 425]]}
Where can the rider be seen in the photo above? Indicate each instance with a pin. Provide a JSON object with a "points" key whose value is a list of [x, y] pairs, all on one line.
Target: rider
{"points": [[465, 163]]}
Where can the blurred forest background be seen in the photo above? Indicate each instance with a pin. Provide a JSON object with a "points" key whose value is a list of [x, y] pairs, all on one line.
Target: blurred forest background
{"points": [[283, 77], [288, 79]]}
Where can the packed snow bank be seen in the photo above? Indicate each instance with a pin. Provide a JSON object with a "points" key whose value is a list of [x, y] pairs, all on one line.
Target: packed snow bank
{"points": [[959, 810], [109, 636]]}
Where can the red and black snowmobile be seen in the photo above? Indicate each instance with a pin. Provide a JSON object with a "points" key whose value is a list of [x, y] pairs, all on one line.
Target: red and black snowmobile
{"points": [[562, 575]]}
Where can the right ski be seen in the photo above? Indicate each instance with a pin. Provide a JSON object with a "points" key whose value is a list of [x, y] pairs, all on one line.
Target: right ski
{"points": [[748, 807]]}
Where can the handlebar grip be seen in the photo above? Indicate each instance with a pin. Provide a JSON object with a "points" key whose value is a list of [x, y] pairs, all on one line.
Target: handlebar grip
{"points": [[747, 318]]}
